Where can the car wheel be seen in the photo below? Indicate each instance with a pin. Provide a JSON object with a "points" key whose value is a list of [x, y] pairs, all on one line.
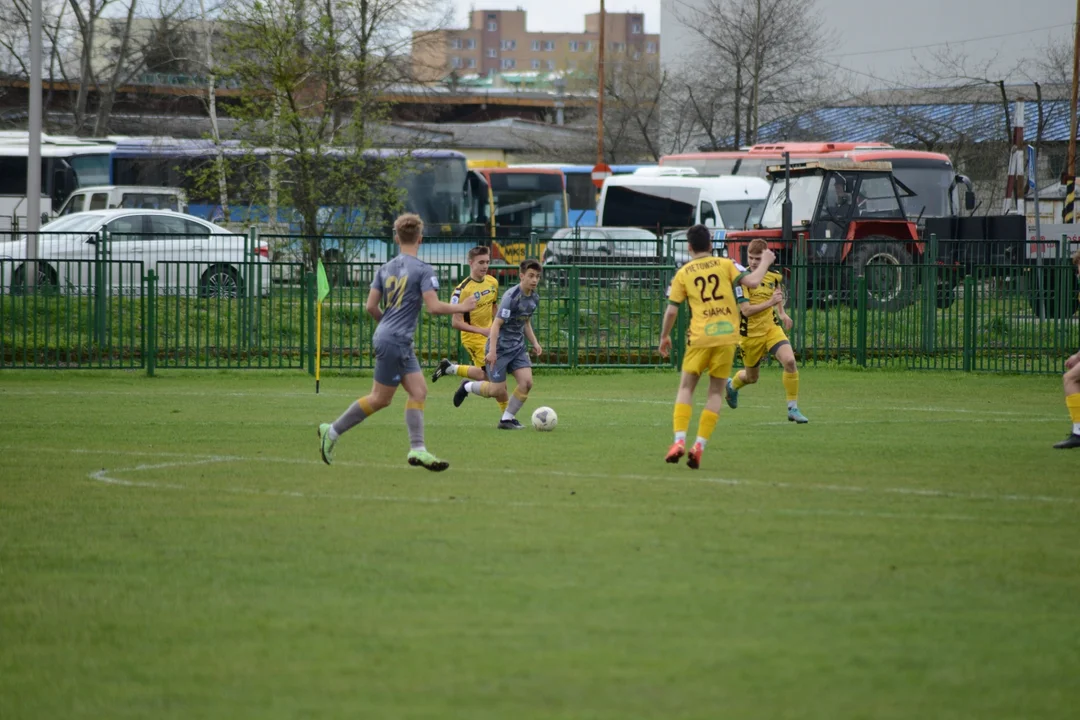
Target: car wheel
{"points": [[45, 282], [220, 281]]}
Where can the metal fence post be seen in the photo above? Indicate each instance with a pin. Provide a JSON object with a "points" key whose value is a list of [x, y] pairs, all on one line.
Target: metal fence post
{"points": [[101, 254], [801, 273], [150, 343], [310, 296], [969, 323], [861, 329], [929, 303], [574, 319]]}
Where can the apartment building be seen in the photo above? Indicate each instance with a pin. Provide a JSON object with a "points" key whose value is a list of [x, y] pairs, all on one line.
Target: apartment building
{"points": [[498, 41]]}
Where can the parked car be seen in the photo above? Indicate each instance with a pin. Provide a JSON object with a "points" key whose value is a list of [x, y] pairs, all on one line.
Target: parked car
{"points": [[189, 255], [131, 197], [606, 246]]}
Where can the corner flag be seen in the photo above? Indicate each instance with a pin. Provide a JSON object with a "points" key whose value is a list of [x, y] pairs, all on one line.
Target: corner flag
{"points": [[324, 290]]}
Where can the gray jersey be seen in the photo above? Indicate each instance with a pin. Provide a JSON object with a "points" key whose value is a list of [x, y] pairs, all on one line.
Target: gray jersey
{"points": [[515, 310], [402, 282]]}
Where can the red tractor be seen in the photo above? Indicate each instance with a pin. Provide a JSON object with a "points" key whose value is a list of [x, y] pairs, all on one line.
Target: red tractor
{"points": [[849, 215]]}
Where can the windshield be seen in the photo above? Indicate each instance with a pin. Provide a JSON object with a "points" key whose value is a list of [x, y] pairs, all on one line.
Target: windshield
{"points": [[740, 214], [804, 195], [931, 188], [73, 223], [90, 169], [435, 190]]}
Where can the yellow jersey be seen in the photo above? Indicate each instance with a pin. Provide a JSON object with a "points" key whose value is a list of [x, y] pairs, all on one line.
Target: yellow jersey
{"points": [[759, 325], [710, 286], [487, 295]]}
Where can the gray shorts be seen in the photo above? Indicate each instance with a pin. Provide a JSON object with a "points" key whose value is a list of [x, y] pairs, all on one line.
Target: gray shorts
{"points": [[508, 363], [394, 361]]}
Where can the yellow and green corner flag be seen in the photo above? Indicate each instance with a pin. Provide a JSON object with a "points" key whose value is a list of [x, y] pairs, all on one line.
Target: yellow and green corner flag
{"points": [[324, 290]]}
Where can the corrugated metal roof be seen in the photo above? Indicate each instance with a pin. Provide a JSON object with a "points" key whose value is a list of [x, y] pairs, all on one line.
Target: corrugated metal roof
{"points": [[916, 124]]}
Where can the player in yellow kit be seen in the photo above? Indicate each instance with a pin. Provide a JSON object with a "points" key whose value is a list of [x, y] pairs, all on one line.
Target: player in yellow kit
{"points": [[1071, 379], [763, 324], [474, 325], [713, 288]]}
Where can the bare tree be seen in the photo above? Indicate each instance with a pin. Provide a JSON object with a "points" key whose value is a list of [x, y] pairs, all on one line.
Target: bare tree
{"points": [[764, 61]]}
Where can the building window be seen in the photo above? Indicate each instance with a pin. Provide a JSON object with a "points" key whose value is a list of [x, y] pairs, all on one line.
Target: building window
{"points": [[635, 29], [492, 53], [535, 44], [549, 45], [637, 55], [509, 63], [573, 46], [509, 44], [550, 64], [470, 62], [455, 62], [492, 26], [470, 44], [456, 43], [618, 47], [650, 47], [535, 64], [589, 46]]}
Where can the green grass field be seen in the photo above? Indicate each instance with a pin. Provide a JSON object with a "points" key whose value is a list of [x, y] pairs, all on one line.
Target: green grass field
{"points": [[173, 548]]}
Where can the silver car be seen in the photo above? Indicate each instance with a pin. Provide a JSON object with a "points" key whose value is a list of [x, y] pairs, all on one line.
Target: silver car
{"points": [[190, 255]]}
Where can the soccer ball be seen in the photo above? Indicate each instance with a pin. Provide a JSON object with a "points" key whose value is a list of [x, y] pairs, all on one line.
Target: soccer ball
{"points": [[545, 419]]}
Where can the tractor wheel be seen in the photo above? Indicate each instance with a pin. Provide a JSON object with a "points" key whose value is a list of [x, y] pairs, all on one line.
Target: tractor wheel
{"points": [[890, 275]]}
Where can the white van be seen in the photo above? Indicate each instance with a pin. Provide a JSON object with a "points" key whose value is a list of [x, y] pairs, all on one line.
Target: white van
{"points": [[663, 202], [128, 197]]}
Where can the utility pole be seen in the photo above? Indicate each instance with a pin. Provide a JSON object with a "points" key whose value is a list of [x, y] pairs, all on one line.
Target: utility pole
{"points": [[33, 164], [1069, 214], [600, 96]]}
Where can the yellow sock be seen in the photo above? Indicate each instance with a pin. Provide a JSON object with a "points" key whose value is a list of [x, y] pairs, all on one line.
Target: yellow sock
{"points": [[705, 425], [463, 371], [485, 389], [682, 421], [365, 405], [413, 405], [738, 381], [502, 404], [1073, 403], [791, 385]]}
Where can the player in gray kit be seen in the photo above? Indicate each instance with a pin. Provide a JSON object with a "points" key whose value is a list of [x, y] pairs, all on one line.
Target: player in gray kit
{"points": [[506, 351], [402, 286]]}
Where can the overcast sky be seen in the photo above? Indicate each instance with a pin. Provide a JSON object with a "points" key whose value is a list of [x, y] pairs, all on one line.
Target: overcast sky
{"points": [[880, 41]]}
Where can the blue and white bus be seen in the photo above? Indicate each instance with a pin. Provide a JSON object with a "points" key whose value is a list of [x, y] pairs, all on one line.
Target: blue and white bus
{"points": [[580, 190], [435, 181]]}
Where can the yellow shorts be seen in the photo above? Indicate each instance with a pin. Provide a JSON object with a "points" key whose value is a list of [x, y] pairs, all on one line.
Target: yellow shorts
{"points": [[754, 349], [717, 360], [476, 351]]}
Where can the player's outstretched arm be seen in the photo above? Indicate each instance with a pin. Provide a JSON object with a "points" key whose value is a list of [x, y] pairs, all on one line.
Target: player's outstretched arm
{"points": [[537, 347], [747, 310], [752, 280], [435, 306], [457, 320], [670, 315], [374, 298], [493, 340]]}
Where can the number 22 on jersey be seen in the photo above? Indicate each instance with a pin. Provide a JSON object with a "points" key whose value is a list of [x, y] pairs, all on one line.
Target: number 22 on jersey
{"points": [[395, 290]]}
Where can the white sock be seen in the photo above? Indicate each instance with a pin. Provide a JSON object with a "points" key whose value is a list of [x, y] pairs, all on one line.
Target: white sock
{"points": [[680, 436], [792, 404], [1076, 428], [507, 415], [473, 387], [452, 370], [701, 441], [332, 434]]}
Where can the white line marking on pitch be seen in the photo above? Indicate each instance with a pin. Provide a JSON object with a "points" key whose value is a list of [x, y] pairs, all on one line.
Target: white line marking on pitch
{"points": [[105, 477], [694, 477]]}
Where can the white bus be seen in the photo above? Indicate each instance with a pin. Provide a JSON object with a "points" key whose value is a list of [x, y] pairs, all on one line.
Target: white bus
{"points": [[660, 202], [67, 163]]}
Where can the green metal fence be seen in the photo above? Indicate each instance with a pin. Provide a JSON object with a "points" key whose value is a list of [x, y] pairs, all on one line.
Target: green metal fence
{"points": [[109, 313]]}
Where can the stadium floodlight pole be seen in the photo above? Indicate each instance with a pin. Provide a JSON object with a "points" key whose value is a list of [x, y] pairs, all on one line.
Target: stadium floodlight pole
{"points": [[1069, 211], [33, 160], [785, 209], [600, 91]]}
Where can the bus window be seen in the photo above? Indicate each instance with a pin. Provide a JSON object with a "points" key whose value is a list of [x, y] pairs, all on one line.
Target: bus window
{"points": [[98, 201], [650, 206], [582, 192], [707, 214]]}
